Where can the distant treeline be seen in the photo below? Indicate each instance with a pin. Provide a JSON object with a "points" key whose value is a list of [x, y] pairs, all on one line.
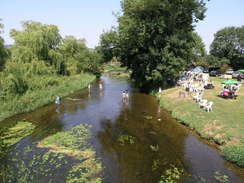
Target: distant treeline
{"points": [[156, 40], [39, 53]]}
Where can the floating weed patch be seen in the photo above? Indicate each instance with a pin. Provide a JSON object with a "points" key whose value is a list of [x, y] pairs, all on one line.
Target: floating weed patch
{"points": [[221, 178], [148, 117], [155, 165], [171, 175], [17, 132], [74, 143], [154, 148], [70, 142], [126, 139], [25, 170], [85, 172], [64, 156]]}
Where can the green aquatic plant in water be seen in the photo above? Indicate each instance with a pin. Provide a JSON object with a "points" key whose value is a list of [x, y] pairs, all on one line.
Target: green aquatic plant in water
{"points": [[154, 148], [17, 132], [74, 143], [148, 117], [171, 175], [67, 152], [221, 178], [126, 139]]}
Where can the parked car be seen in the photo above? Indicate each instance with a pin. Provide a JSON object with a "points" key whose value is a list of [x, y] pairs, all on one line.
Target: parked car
{"points": [[229, 72], [235, 74], [240, 77], [215, 73], [206, 70]]}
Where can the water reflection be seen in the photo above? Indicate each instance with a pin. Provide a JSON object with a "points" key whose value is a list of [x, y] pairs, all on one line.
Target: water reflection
{"points": [[136, 140]]}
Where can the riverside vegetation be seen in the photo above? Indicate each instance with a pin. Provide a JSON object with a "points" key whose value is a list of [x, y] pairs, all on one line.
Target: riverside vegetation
{"points": [[116, 70], [40, 65], [68, 151], [224, 125]]}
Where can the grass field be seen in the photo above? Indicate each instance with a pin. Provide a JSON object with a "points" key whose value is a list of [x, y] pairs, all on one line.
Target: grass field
{"points": [[33, 99], [224, 125]]}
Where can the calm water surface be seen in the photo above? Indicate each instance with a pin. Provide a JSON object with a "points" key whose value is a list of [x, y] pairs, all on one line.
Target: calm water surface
{"points": [[158, 143]]}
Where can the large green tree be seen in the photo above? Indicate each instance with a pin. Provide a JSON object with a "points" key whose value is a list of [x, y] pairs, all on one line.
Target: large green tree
{"points": [[3, 51], [198, 51], [38, 42], [229, 44], [78, 57], [156, 38], [108, 46]]}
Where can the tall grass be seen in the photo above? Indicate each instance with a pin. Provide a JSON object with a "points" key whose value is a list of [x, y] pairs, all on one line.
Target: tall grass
{"points": [[42, 92]]}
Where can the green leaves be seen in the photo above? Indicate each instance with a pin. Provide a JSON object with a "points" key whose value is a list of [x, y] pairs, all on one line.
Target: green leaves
{"points": [[109, 45], [156, 39], [228, 43]]}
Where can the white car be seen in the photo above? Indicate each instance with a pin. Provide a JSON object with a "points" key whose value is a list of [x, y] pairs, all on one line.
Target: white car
{"points": [[229, 72]]}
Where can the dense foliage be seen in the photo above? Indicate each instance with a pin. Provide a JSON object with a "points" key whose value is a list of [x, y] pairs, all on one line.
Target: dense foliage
{"points": [[40, 53], [156, 39], [229, 44], [3, 51], [109, 45]]}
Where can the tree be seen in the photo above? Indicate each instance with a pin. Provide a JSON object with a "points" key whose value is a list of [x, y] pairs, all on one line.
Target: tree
{"points": [[3, 51], [198, 51], [156, 39], [109, 45], [228, 43], [71, 49], [78, 58]]}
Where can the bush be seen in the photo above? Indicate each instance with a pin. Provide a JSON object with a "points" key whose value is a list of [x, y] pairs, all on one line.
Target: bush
{"points": [[12, 85], [234, 153]]}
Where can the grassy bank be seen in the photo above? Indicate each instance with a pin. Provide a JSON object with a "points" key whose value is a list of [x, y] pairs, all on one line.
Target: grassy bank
{"points": [[225, 125], [115, 70], [43, 93]]}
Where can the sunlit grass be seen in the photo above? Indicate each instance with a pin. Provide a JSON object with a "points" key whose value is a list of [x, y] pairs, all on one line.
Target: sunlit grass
{"points": [[224, 125], [42, 95]]}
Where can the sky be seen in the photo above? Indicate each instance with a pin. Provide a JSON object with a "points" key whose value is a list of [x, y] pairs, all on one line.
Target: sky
{"points": [[89, 18]]}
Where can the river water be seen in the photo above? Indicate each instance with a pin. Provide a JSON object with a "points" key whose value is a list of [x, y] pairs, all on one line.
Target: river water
{"points": [[159, 141]]}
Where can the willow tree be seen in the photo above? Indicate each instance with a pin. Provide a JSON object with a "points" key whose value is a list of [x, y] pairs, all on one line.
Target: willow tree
{"points": [[156, 38], [37, 42]]}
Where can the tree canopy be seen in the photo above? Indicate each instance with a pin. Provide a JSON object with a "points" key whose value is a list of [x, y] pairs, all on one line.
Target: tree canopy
{"points": [[156, 38], [108, 45], [40, 52], [3, 51], [229, 44]]}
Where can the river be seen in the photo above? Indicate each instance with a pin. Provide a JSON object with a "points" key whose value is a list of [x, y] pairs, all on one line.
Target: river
{"points": [[159, 141]]}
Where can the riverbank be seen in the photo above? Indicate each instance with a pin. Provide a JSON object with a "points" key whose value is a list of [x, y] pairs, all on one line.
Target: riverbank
{"points": [[224, 125], [116, 71], [44, 94]]}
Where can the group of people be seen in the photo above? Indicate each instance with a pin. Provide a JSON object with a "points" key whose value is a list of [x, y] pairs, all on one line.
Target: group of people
{"points": [[230, 91]]}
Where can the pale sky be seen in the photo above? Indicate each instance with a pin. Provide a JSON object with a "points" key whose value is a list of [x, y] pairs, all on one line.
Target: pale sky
{"points": [[88, 19]]}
